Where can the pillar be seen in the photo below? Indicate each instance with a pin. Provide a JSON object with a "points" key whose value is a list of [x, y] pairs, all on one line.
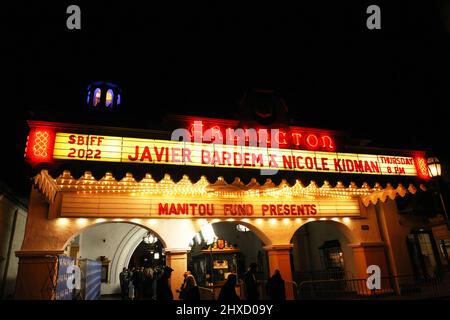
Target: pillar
{"points": [[177, 260], [366, 254], [279, 257], [36, 275]]}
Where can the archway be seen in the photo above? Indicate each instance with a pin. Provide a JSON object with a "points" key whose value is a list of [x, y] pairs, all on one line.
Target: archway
{"points": [[113, 244], [227, 247], [321, 252]]}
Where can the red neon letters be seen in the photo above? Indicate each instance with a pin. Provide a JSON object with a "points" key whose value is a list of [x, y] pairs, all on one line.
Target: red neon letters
{"points": [[295, 138]]}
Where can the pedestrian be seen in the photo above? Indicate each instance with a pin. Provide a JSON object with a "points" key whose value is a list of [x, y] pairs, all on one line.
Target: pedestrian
{"points": [[228, 291], [251, 285], [148, 281], [123, 278], [137, 283], [182, 289], [163, 291], [191, 290], [276, 287], [131, 285]]}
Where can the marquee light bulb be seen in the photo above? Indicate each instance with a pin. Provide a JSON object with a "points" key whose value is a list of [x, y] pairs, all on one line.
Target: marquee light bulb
{"points": [[63, 221]]}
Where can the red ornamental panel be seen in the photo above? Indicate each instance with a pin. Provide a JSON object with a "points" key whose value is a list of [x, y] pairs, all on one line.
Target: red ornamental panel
{"points": [[39, 146], [422, 167]]}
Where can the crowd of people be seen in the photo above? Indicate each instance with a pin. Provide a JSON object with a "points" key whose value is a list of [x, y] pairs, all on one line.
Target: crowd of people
{"points": [[153, 283], [275, 287], [144, 283]]}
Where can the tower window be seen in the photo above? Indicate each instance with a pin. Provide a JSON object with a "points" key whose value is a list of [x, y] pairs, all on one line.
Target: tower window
{"points": [[109, 97], [97, 96]]}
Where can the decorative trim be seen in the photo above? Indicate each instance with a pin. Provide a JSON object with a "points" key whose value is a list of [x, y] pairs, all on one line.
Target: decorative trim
{"points": [[367, 244], [38, 254], [389, 193], [46, 185], [276, 247], [174, 251], [88, 184]]}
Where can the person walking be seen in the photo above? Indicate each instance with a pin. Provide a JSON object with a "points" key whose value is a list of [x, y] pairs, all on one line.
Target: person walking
{"points": [[163, 291], [228, 291], [251, 285], [276, 287]]}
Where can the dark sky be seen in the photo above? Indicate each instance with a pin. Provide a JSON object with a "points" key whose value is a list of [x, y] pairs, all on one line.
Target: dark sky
{"points": [[390, 85]]}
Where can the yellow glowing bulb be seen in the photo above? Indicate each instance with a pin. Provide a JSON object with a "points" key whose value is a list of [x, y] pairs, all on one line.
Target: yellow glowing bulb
{"points": [[81, 221], [259, 221], [63, 221]]}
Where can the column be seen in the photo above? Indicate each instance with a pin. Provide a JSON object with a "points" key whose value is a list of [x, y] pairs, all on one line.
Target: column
{"points": [[279, 256], [36, 275], [177, 260], [366, 254]]}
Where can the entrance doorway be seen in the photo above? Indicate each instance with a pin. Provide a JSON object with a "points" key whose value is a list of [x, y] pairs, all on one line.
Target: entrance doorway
{"points": [[227, 247], [115, 246], [424, 254]]}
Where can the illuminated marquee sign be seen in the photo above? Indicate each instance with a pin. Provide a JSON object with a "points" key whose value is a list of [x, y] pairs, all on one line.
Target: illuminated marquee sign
{"points": [[92, 205], [71, 146]]}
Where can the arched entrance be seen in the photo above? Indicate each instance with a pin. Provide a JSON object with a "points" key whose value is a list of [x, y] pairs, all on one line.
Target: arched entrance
{"points": [[225, 247], [116, 245], [321, 252]]}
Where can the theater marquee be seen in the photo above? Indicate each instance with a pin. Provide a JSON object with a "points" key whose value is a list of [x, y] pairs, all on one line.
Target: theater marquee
{"points": [[95, 205], [85, 147]]}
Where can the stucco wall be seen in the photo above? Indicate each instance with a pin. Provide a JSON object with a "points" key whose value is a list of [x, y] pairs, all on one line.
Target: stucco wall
{"points": [[7, 211]]}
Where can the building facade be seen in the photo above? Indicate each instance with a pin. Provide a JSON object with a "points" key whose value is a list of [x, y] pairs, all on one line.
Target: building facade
{"points": [[315, 202]]}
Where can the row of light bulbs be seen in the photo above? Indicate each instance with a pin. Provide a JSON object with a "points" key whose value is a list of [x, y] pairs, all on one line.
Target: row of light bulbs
{"points": [[88, 184]]}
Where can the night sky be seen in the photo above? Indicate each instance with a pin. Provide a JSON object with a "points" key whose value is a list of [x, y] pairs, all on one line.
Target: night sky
{"points": [[391, 86]]}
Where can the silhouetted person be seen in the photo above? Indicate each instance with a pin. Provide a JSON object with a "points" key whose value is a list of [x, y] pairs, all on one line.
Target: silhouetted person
{"points": [[123, 277], [191, 290], [275, 287], [148, 282], [163, 291], [251, 285], [182, 290], [138, 282], [228, 291]]}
